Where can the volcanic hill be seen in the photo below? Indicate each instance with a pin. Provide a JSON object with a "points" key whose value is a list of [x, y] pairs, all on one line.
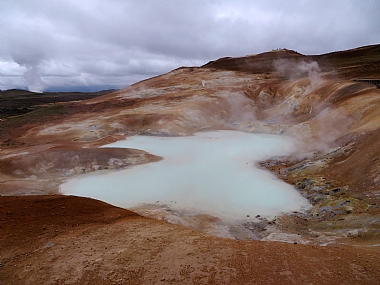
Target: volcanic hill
{"points": [[52, 239]]}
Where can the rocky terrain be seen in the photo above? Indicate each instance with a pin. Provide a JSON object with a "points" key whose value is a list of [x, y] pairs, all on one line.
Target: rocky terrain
{"points": [[315, 99]]}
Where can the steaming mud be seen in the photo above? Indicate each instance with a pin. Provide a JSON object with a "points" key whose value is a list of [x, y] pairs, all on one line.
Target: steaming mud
{"points": [[210, 173]]}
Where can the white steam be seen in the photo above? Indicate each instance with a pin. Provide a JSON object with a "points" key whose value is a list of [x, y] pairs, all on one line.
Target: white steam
{"points": [[294, 69], [33, 63], [33, 79]]}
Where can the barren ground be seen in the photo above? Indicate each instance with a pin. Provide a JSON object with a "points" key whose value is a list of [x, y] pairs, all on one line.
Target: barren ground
{"points": [[70, 240]]}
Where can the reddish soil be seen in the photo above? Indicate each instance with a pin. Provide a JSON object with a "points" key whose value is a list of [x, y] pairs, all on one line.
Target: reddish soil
{"points": [[70, 240]]}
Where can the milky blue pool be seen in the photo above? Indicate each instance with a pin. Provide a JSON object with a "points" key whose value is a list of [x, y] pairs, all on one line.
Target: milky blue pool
{"points": [[211, 172]]}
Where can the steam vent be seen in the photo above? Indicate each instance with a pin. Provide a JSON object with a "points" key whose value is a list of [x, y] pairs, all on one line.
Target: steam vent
{"points": [[262, 169]]}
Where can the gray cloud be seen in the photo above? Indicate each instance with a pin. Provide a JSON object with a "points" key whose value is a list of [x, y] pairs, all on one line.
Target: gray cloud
{"points": [[116, 43]]}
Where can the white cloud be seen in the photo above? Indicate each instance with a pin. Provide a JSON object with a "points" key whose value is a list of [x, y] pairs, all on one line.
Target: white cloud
{"points": [[11, 68], [115, 43]]}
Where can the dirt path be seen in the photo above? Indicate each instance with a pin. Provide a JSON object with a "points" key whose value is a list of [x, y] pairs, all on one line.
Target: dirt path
{"points": [[70, 240]]}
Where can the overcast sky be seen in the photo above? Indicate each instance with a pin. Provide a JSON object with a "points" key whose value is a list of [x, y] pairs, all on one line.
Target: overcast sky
{"points": [[97, 44]]}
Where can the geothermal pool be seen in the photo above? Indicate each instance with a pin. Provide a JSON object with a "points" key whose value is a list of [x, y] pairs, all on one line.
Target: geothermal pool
{"points": [[210, 173]]}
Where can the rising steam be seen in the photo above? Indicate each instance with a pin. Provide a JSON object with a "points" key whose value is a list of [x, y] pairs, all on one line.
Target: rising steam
{"points": [[292, 69], [32, 76], [324, 123], [34, 80]]}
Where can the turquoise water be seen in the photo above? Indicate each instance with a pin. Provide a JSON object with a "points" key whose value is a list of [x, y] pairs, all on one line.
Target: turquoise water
{"points": [[211, 172]]}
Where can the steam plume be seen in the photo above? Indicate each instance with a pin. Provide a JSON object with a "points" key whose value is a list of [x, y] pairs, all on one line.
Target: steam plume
{"points": [[294, 69], [34, 80]]}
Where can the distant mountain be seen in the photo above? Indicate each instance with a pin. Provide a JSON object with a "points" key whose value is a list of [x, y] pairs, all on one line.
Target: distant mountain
{"points": [[16, 102]]}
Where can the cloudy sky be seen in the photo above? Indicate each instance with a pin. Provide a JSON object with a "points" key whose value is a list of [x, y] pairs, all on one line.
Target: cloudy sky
{"points": [[98, 44]]}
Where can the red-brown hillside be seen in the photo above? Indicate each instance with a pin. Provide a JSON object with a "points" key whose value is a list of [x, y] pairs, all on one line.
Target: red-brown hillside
{"points": [[314, 99]]}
